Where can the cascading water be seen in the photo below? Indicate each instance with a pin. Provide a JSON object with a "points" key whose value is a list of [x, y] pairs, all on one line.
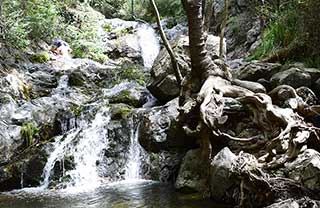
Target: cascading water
{"points": [[85, 144], [133, 166], [86, 140], [149, 45]]}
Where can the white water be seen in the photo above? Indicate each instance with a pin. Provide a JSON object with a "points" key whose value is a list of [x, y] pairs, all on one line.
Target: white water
{"points": [[133, 166], [149, 45], [85, 145]]}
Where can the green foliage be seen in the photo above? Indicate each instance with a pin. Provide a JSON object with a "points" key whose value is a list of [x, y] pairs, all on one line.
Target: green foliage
{"points": [[142, 9], [41, 57], [291, 24], [279, 34], [28, 131]]}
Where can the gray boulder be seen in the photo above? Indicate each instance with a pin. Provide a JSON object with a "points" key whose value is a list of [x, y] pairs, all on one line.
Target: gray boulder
{"points": [[159, 131], [296, 203], [130, 93]]}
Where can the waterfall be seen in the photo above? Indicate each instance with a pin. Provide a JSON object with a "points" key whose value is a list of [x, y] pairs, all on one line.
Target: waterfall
{"points": [[134, 162], [149, 45], [85, 144]]}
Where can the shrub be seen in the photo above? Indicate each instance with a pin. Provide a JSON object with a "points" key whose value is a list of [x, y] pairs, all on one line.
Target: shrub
{"points": [[291, 27]]}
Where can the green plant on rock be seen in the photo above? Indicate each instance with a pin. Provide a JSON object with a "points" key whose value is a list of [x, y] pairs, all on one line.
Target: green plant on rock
{"points": [[291, 34], [28, 132], [41, 57]]}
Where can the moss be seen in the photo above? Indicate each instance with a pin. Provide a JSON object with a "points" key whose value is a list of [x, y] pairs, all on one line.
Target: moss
{"points": [[28, 132], [130, 72], [125, 97], [120, 111], [41, 57]]}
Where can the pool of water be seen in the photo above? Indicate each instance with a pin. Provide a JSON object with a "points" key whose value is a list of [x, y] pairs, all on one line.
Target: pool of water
{"points": [[119, 195]]}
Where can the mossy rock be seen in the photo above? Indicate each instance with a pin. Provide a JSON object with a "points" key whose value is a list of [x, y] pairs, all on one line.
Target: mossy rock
{"points": [[120, 111], [126, 97], [41, 57]]}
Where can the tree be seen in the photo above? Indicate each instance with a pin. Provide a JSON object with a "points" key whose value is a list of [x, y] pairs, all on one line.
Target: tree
{"points": [[203, 94]]}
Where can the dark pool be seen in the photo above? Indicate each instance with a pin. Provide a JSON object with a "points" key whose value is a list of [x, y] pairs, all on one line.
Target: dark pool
{"points": [[119, 195]]}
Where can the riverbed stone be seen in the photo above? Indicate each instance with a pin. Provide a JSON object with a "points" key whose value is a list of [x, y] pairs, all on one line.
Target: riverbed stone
{"points": [[130, 93]]}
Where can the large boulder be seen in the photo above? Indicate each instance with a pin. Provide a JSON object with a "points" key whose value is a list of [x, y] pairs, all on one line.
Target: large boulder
{"points": [[163, 84], [306, 169], [159, 129], [163, 166], [25, 170]]}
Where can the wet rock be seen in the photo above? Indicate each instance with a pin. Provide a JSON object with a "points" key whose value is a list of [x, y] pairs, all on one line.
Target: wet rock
{"points": [[293, 77], [159, 131], [220, 174], [306, 169], [25, 170], [113, 163], [254, 71], [163, 84], [77, 78], [163, 166], [120, 111], [192, 174]]}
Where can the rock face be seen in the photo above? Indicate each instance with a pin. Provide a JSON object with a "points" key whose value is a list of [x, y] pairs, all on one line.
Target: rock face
{"points": [[192, 174], [306, 169], [163, 84]]}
